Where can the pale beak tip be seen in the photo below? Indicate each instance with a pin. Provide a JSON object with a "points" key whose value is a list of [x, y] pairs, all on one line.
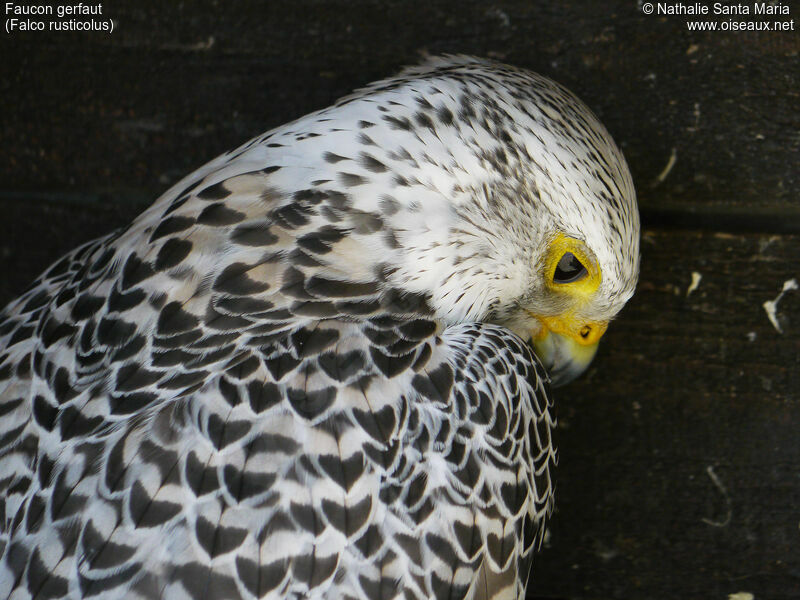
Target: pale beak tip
{"points": [[563, 358]]}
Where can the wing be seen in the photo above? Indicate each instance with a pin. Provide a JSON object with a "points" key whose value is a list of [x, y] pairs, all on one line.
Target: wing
{"points": [[372, 460], [478, 495], [213, 403]]}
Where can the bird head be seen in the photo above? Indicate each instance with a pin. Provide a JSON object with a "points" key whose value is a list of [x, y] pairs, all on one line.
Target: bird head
{"points": [[523, 211], [491, 192]]}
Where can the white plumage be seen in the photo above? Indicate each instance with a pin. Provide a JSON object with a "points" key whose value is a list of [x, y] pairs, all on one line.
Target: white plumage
{"points": [[304, 371]]}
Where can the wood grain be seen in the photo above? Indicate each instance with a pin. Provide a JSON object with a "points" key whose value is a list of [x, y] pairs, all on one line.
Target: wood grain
{"points": [[178, 83], [686, 391]]}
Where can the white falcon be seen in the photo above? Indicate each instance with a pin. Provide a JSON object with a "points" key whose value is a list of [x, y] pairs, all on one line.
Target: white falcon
{"points": [[308, 370]]}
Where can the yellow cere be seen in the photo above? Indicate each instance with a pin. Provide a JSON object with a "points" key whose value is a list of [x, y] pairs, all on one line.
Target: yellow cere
{"points": [[583, 332]]}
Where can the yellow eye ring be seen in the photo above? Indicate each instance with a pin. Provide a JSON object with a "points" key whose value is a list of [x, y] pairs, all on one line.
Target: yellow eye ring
{"points": [[570, 266]]}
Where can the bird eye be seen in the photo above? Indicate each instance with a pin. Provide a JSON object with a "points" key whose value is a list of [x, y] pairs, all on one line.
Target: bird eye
{"points": [[569, 269]]}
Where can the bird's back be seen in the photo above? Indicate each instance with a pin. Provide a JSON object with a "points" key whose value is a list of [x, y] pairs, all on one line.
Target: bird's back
{"points": [[365, 460], [281, 380], [176, 425]]}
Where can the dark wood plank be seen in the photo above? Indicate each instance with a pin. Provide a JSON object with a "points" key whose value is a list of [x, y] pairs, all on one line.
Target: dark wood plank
{"points": [[34, 234], [683, 391], [681, 385], [177, 83]]}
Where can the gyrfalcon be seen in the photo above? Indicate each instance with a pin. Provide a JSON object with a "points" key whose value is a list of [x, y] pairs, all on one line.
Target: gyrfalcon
{"points": [[317, 367]]}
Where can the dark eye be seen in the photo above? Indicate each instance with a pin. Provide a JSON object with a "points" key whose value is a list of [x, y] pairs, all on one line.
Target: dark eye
{"points": [[569, 269]]}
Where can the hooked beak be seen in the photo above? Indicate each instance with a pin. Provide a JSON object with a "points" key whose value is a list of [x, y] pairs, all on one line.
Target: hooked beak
{"points": [[566, 347]]}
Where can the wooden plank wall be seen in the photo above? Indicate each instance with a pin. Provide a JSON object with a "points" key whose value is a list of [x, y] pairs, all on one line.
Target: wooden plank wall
{"points": [[680, 459]]}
